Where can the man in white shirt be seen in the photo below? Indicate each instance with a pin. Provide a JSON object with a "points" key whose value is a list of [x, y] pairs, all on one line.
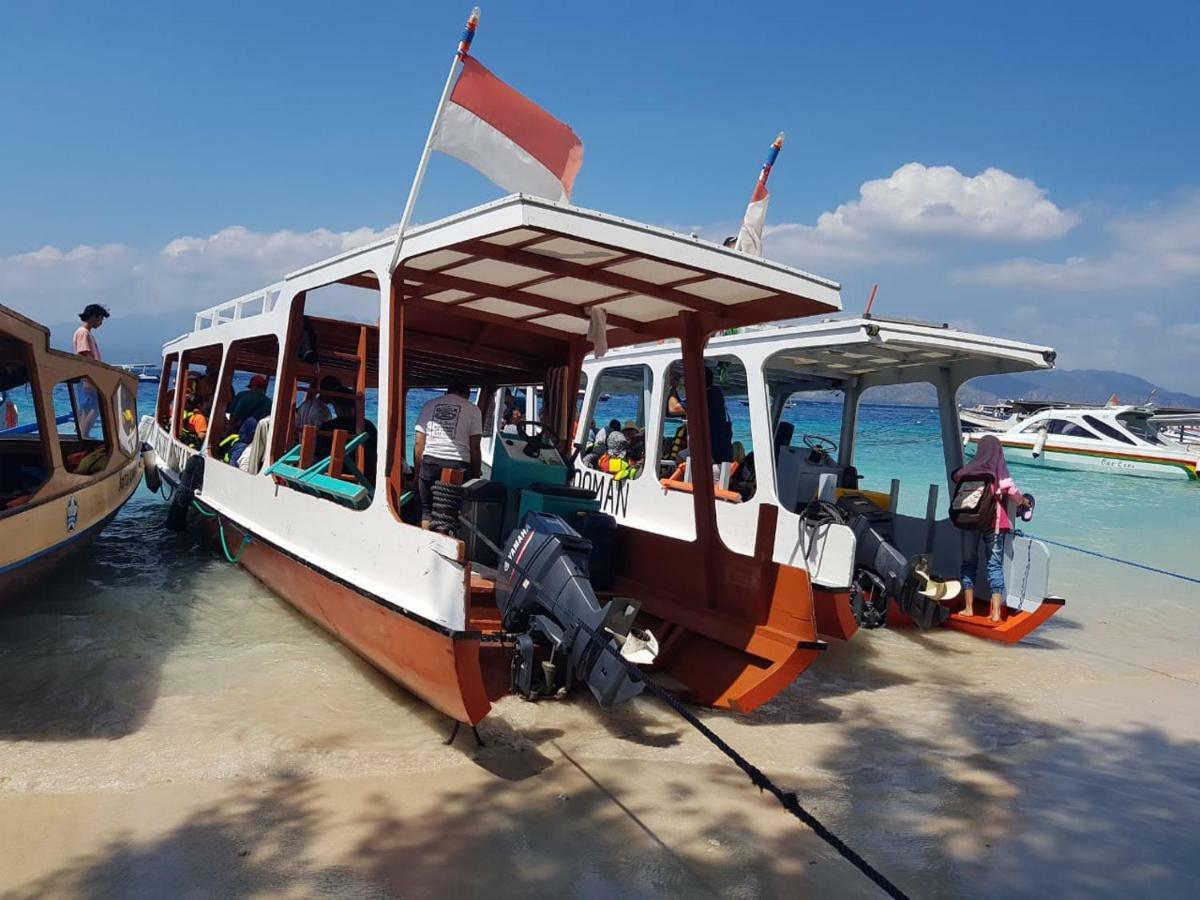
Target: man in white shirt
{"points": [[314, 410], [449, 429]]}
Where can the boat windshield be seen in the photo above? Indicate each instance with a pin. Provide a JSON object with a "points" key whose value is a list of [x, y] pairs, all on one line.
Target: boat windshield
{"points": [[1139, 425]]}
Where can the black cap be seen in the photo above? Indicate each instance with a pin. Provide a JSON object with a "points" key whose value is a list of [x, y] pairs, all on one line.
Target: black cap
{"points": [[93, 309]]}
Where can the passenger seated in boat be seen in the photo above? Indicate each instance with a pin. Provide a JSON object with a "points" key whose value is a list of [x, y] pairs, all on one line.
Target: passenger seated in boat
{"points": [[617, 460], [314, 410], [194, 426], [988, 463], [599, 445], [512, 422], [252, 403], [346, 419], [720, 426], [234, 446], [448, 433]]}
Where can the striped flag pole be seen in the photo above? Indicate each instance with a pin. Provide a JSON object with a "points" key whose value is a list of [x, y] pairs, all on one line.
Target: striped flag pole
{"points": [[749, 239], [772, 155], [464, 47]]}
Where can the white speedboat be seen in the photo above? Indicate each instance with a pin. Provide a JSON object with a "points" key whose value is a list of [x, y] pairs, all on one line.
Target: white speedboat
{"points": [[1127, 440]]}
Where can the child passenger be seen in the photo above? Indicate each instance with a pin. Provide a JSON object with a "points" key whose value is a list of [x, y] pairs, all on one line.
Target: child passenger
{"points": [[989, 461]]}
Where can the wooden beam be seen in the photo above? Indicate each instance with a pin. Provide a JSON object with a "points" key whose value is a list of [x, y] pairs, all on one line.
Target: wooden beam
{"points": [[596, 273], [547, 305]]}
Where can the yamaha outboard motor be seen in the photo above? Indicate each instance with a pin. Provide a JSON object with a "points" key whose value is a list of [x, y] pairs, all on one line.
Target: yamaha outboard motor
{"points": [[565, 635]]}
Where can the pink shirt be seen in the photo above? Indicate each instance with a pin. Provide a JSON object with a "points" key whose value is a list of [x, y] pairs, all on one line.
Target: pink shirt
{"points": [[1005, 491], [85, 342]]}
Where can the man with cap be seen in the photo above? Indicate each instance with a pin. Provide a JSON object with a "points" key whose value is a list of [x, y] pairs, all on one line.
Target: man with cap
{"points": [[93, 317], [252, 403]]}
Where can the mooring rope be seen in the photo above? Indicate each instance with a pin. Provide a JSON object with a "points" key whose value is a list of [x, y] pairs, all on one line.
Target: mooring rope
{"points": [[213, 514], [787, 799], [1128, 562]]}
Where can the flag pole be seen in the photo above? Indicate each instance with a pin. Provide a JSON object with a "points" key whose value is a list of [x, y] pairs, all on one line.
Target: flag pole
{"points": [[772, 155], [464, 45]]}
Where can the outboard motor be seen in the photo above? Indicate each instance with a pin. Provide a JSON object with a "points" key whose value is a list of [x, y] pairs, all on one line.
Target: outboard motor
{"points": [[882, 573], [901, 578], [544, 593]]}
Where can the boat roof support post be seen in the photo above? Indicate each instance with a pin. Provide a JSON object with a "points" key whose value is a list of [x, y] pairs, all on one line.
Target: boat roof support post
{"points": [[393, 413], [952, 448], [703, 499], [851, 395]]}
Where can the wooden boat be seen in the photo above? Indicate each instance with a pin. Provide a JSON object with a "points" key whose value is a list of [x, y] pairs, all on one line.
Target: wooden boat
{"points": [[776, 369], [502, 295], [69, 451]]}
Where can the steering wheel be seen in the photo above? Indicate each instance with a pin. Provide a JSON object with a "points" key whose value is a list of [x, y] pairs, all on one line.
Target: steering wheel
{"points": [[535, 443], [821, 449]]}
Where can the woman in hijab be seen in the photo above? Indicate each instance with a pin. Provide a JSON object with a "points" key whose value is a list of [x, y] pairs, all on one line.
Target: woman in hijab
{"points": [[988, 462]]}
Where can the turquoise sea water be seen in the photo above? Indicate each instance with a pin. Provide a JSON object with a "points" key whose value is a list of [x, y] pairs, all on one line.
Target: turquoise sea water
{"points": [[1147, 520]]}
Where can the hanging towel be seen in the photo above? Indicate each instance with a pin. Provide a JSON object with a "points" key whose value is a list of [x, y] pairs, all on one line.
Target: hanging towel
{"points": [[598, 330]]}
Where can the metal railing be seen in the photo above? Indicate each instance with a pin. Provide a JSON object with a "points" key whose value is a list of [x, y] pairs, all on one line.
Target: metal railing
{"points": [[256, 303]]}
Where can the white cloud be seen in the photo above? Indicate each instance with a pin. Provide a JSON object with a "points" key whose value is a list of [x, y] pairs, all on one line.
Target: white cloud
{"points": [[1156, 249], [893, 218], [188, 273], [940, 200]]}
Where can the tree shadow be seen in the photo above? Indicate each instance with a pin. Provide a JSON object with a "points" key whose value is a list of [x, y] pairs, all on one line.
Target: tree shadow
{"points": [[81, 657]]}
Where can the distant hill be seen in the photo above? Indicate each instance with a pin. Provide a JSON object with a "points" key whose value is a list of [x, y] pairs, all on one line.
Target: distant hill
{"points": [[1070, 385]]}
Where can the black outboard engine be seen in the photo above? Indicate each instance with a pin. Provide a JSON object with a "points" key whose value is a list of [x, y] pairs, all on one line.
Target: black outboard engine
{"points": [[884, 572], [543, 593]]}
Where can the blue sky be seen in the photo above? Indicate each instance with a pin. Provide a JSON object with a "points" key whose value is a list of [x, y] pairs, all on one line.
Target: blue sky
{"points": [[1028, 170]]}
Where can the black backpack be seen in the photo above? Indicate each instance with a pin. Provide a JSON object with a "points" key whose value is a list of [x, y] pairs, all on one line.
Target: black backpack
{"points": [[973, 506]]}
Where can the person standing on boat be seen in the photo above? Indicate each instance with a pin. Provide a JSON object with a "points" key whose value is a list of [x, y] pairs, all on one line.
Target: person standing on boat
{"points": [[720, 426], [93, 317], [449, 429], [989, 466]]}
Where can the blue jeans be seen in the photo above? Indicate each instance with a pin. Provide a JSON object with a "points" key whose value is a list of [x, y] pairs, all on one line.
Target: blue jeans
{"points": [[993, 541]]}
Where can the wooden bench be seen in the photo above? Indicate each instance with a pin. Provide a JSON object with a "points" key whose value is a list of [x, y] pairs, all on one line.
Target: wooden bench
{"points": [[326, 477]]}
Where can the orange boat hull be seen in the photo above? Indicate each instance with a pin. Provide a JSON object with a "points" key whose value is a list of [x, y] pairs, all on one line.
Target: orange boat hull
{"points": [[835, 619], [439, 666], [1013, 628]]}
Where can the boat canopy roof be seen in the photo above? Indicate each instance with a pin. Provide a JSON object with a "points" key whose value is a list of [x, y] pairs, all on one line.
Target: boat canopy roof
{"points": [[869, 351], [499, 292]]}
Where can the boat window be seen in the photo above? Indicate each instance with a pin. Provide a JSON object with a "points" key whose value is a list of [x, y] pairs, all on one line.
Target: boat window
{"points": [[513, 408], [247, 392], [1107, 430], [166, 391], [82, 426], [617, 422], [199, 370], [1139, 426], [1032, 427], [329, 380], [1067, 428], [127, 421], [24, 455], [729, 425]]}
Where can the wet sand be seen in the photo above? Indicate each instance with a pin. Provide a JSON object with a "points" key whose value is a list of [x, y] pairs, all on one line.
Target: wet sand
{"points": [[178, 731]]}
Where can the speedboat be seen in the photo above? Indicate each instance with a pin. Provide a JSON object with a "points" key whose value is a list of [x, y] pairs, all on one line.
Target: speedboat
{"points": [[70, 451], [146, 373], [1124, 440], [793, 503], [536, 585]]}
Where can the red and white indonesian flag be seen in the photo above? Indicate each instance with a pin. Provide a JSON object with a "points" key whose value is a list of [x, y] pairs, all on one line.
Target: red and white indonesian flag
{"points": [[750, 237], [507, 137]]}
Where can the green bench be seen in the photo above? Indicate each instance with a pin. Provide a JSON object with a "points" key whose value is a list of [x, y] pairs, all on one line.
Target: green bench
{"points": [[316, 479]]}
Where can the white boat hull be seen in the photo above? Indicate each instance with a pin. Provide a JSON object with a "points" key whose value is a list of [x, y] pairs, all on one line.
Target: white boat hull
{"points": [[1056, 456]]}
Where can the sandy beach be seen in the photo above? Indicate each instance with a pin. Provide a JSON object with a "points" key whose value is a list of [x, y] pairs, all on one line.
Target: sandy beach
{"points": [[159, 742]]}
